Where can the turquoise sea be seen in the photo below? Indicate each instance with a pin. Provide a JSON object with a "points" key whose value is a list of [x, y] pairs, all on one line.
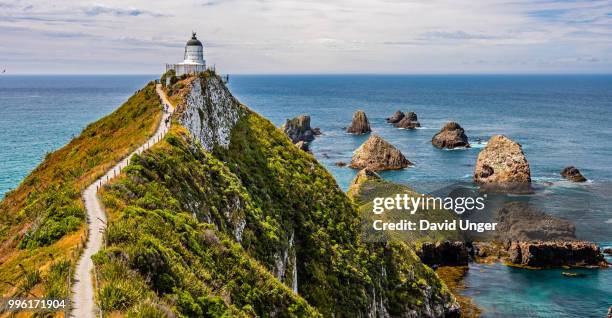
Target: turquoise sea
{"points": [[560, 120]]}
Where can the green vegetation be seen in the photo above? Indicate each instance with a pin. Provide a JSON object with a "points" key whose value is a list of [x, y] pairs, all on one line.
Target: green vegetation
{"points": [[161, 258], [41, 222], [364, 192], [213, 234]]}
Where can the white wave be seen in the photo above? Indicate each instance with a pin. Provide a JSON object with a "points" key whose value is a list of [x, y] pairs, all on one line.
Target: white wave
{"points": [[609, 221]]}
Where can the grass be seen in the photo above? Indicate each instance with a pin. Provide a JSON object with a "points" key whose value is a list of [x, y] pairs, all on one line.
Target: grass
{"points": [[42, 221], [364, 193]]}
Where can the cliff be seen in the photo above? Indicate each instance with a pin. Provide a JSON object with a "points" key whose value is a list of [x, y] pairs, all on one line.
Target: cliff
{"points": [[227, 217]]}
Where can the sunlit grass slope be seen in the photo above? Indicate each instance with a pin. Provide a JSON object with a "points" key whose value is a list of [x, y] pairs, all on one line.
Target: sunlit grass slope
{"points": [[42, 220]]}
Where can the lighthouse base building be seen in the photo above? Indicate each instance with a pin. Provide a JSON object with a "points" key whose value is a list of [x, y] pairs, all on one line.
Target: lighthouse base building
{"points": [[193, 59]]}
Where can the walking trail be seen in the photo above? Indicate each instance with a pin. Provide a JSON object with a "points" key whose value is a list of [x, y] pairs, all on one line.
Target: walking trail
{"points": [[83, 303]]}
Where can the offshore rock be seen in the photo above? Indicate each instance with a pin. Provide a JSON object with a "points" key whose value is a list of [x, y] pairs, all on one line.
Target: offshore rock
{"points": [[572, 174], [360, 124], [522, 222], [298, 129], [444, 254], [396, 117], [409, 121], [451, 136], [555, 254], [377, 154], [502, 165]]}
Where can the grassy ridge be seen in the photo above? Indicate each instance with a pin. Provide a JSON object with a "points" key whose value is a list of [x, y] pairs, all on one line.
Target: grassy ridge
{"points": [[177, 215], [161, 259], [41, 221]]}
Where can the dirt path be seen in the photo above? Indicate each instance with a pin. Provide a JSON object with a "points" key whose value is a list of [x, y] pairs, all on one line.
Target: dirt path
{"points": [[83, 303]]}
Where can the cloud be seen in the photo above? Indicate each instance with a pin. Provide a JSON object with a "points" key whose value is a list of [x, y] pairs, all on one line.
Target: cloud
{"points": [[293, 36], [119, 12]]}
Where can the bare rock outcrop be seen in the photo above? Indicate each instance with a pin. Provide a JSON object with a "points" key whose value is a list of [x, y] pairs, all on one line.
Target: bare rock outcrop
{"points": [[410, 121], [396, 117], [360, 124], [298, 129], [377, 154], [444, 253], [451, 136], [555, 254], [572, 174], [502, 165], [520, 221]]}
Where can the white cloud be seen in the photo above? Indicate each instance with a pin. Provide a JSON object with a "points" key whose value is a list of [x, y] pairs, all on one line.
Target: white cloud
{"points": [[309, 36]]}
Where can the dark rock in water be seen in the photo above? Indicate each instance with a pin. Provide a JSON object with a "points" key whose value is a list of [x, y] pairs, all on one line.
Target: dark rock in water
{"points": [[377, 154], [608, 250], [502, 165], [317, 131], [444, 254], [519, 221], [409, 121], [451, 136], [397, 116], [298, 129], [340, 163], [572, 174], [360, 124], [555, 254], [610, 312], [303, 145]]}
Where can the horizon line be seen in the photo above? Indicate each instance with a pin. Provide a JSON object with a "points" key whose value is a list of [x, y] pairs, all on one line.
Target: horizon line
{"points": [[317, 74]]}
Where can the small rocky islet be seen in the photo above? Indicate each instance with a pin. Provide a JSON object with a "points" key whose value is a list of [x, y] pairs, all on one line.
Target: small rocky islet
{"points": [[377, 154], [360, 124]]}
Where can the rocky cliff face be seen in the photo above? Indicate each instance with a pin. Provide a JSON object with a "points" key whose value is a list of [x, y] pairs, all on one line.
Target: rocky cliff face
{"points": [[209, 112], [556, 254]]}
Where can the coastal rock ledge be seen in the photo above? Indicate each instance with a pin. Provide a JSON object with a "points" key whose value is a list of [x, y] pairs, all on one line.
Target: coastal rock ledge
{"points": [[444, 253], [377, 154], [502, 163], [555, 254], [360, 124], [451, 136]]}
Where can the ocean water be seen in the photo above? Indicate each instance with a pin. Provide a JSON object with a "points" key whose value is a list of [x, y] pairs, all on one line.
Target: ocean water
{"points": [[42, 113], [559, 120]]}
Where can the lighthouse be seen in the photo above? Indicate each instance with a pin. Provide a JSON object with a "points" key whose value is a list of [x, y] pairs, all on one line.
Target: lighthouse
{"points": [[193, 59]]}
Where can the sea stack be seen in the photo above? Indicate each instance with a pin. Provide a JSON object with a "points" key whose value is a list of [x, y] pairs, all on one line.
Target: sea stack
{"points": [[360, 124], [377, 154], [572, 174], [503, 163], [397, 116], [298, 129], [409, 121], [451, 136]]}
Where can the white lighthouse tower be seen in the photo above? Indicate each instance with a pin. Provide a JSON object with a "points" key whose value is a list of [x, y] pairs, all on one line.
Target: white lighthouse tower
{"points": [[193, 60]]}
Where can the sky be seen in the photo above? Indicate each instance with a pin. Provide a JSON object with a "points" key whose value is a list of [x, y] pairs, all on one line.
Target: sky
{"points": [[308, 36]]}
